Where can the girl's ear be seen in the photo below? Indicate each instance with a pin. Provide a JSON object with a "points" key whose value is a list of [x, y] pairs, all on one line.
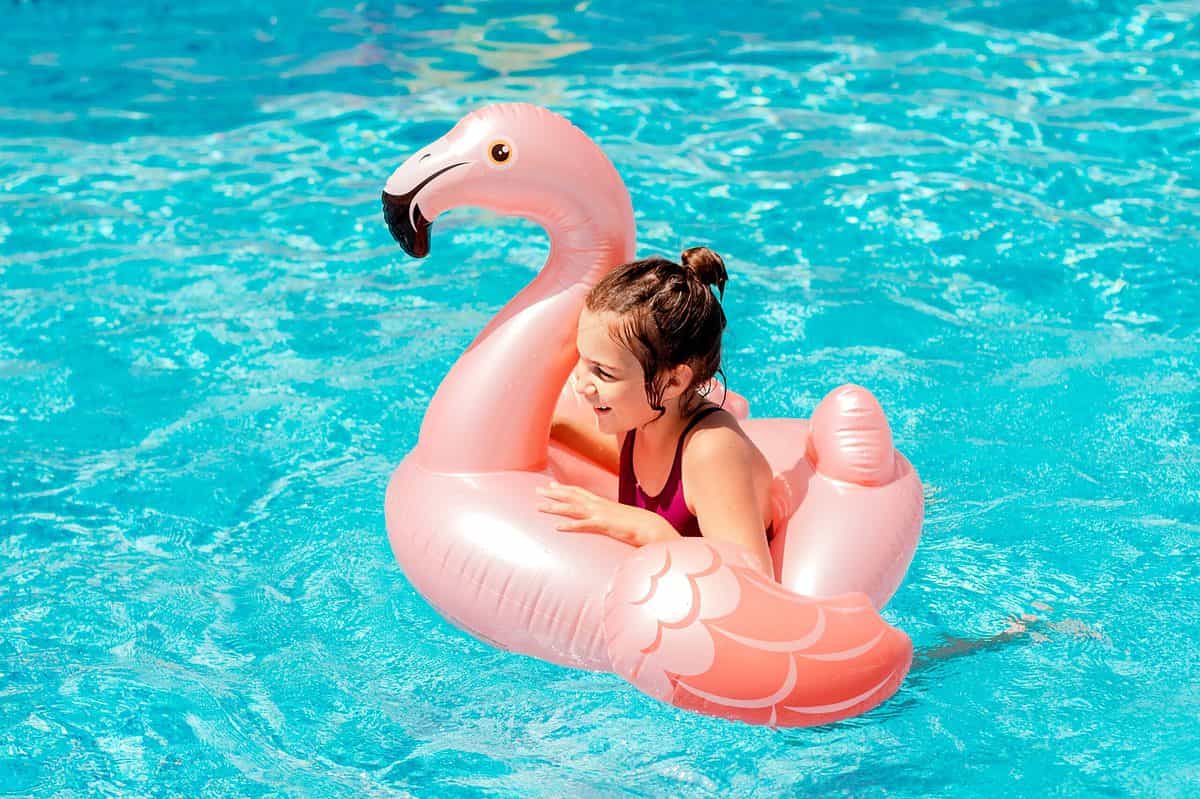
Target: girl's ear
{"points": [[678, 382]]}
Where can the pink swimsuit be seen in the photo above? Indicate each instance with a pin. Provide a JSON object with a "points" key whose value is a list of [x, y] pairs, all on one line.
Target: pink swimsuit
{"points": [[669, 503]]}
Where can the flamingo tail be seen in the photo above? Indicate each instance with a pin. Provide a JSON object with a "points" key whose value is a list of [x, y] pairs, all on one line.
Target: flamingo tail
{"points": [[694, 624]]}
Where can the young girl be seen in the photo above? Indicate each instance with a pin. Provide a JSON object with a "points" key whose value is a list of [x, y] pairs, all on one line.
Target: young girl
{"points": [[649, 344]]}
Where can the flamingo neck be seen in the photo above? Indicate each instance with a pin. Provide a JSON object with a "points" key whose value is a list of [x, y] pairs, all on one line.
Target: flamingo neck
{"points": [[493, 410]]}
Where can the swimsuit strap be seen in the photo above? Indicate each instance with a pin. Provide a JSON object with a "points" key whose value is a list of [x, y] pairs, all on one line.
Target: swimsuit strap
{"points": [[696, 418]]}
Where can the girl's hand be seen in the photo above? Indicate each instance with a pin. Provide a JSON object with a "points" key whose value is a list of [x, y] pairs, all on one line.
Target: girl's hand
{"points": [[587, 513]]}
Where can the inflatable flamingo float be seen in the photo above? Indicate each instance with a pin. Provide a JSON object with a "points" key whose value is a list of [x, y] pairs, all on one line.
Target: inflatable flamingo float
{"points": [[690, 622]]}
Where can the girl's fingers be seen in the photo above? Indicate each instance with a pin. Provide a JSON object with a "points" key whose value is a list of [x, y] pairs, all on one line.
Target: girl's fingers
{"points": [[580, 526], [562, 509], [567, 489], [561, 492]]}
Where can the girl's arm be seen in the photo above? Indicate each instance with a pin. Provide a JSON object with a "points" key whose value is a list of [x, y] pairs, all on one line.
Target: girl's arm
{"points": [[719, 466], [584, 512], [603, 449]]}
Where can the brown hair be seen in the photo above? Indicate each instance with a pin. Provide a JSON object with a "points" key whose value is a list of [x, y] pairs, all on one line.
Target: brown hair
{"points": [[669, 315]]}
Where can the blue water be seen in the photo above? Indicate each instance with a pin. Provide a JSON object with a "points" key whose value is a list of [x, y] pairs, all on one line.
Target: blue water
{"points": [[212, 354]]}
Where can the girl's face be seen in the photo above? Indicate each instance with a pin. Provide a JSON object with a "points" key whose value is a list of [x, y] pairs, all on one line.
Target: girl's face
{"points": [[609, 377]]}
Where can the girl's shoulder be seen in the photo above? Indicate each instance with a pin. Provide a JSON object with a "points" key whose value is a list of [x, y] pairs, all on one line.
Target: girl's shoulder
{"points": [[717, 436]]}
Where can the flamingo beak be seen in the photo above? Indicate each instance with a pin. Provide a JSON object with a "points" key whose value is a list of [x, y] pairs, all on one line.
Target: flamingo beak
{"points": [[406, 223], [403, 216]]}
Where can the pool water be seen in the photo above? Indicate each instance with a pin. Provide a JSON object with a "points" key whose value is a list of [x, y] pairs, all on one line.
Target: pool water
{"points": [[212, 354]]}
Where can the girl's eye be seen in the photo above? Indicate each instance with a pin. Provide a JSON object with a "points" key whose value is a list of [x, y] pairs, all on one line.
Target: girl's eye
{"points": [[601, 372]]}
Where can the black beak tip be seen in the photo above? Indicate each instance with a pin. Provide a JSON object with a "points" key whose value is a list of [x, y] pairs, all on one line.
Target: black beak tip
{"points": [[406, 224]]}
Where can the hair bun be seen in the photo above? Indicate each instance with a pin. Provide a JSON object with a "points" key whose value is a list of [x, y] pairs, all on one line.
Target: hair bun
{"points": [[707, 265]]}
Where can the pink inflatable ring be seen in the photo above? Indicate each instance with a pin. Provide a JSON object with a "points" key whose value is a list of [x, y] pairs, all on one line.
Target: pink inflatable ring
{"points": [[690, 622]]}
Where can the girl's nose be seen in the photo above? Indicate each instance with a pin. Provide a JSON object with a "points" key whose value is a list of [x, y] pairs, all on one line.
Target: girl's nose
{"points": [[582, 384]]}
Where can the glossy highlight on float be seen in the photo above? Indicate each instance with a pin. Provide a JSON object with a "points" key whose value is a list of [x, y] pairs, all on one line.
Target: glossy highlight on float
{"points": [[690, 622]]}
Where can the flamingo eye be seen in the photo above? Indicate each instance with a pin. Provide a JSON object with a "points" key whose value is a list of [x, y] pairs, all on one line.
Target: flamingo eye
{"points": [[500, 152]]}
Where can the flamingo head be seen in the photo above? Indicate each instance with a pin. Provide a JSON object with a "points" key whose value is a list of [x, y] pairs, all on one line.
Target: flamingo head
{"points": [[514, 159]]}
